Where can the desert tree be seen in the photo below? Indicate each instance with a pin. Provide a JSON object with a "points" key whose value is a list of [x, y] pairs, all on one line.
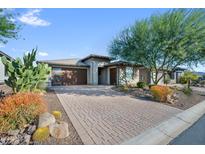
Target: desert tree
{"points": [[9, 28], [163, 42]]}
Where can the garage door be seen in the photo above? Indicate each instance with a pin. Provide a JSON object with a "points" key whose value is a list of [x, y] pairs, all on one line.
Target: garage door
{"points": [[70, 76]]}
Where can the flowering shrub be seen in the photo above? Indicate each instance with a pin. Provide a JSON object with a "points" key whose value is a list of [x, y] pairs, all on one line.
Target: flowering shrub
{"points": [[20, 109], [160, 93]]}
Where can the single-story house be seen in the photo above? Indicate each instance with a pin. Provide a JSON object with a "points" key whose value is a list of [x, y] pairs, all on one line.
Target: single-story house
{"points": [[96, 70], [2, 67]]}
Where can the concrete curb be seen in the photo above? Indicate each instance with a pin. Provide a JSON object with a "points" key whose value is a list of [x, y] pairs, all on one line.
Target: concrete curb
{"points": [[170, 129]]}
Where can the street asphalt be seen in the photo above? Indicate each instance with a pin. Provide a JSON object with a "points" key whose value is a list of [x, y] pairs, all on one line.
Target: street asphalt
{"points": [[195, 135]]}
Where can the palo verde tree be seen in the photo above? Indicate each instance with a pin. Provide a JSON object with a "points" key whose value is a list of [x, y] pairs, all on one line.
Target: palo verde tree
{"points": [[8, 27], [164, 41]]}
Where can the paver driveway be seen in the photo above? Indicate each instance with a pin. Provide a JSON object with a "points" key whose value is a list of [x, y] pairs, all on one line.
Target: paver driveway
{"points": [[103, 116]]}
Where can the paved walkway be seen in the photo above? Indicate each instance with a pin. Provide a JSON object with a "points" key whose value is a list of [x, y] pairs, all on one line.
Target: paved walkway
{"points": [[103, 116]]}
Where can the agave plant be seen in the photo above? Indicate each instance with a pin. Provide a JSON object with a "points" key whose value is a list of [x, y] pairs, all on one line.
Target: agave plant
{"points": [[24, 75]]}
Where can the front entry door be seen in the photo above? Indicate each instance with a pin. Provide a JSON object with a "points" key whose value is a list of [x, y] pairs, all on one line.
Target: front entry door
{"points": [[113, 76]]}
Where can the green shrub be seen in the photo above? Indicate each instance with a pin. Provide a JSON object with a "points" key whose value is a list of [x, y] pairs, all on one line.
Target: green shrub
{"points": [[141, 84], [187, 91], [125, 88], [183, 80]]}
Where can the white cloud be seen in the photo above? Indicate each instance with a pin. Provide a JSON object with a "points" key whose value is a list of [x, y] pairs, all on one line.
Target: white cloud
{"points": [[32, 18], [43, 54]]}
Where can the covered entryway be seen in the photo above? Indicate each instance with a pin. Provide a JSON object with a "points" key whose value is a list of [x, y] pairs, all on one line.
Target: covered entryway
{"points": [[113, 76], [70, 76]]}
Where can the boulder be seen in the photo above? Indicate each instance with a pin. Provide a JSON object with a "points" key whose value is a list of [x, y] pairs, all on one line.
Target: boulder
{"points": [[13, 132], [59, 130], [27, 139], [45, 120], [31, 129]]}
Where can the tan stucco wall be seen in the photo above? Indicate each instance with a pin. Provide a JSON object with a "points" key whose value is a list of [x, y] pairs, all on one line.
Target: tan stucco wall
{"points": [[93, 70], [2, 71], [133, 80]]}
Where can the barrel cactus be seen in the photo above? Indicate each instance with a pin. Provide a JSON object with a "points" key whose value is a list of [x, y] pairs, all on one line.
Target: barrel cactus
{"points": [[41, 134], [57, 114]]}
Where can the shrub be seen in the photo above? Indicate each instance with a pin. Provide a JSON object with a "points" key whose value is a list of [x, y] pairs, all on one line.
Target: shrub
{"points": [[187, 91], [125, 88], [141, 84], [160, 93], [41, 134], [20, 109], [183, 80]]}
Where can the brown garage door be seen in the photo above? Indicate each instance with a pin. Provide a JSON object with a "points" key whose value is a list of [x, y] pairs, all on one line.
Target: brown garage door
{"points": [[70, 76]]}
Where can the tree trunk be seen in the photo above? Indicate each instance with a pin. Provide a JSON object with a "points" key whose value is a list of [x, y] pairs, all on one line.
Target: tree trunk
{"points": [[156, 81], [188, 83]]}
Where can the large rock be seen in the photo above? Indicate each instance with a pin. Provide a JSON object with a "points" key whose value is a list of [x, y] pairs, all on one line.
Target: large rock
{"points": [[46, 119], [59, 130], [31, 129], [13, 132]]}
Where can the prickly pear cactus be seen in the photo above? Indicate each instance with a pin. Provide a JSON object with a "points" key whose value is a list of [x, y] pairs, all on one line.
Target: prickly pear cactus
{"points": [[24, 75]]}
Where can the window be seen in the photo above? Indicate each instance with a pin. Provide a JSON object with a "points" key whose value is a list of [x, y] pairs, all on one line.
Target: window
{"points": [[129, 73]]}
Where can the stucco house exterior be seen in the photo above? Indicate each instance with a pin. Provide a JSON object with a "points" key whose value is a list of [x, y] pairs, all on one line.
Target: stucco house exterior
{"points": [[2, 67], [96, 70]]}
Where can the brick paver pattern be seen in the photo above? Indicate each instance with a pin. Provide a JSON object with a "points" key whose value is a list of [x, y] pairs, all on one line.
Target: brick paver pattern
{"points": [[101, 115]]}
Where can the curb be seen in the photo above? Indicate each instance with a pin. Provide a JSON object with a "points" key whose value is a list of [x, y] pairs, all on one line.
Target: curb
{"points": [[170, 129]]}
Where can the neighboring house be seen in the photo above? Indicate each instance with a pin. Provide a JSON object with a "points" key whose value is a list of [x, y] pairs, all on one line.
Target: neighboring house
{"points": [[96, 70], [175, 75], [2, 67]]}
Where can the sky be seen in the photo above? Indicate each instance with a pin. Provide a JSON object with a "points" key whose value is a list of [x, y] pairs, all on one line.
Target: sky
{"points": [[71, 33]]}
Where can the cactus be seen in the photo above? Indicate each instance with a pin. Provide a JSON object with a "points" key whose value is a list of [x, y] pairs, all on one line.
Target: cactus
{"points": [[57, 114], [41, 134], [23, 75]]}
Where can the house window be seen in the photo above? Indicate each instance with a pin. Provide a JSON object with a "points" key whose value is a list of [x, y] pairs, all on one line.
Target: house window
{"points": [[129, 73], [57, 70]]}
